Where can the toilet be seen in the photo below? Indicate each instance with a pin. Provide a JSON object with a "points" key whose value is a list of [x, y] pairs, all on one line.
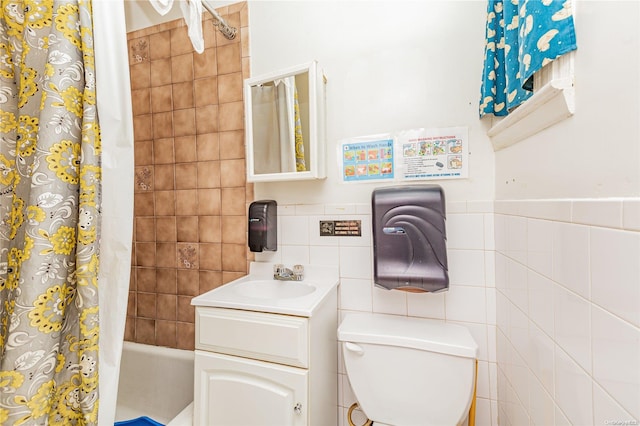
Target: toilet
{"points": [[409, 371]]}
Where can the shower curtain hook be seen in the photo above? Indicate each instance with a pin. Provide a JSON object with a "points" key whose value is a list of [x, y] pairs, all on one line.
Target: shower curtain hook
{"points": [[228, 31]]}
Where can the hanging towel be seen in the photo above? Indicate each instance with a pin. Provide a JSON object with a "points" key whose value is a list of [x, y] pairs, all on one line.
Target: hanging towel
{"points": [[162, 6], [192, 14]]}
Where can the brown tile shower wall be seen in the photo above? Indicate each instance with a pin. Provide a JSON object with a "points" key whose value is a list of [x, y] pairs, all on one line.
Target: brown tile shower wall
{"points": [[191, 193]]}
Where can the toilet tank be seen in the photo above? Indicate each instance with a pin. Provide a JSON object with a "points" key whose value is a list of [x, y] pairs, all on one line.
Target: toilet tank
{"points": [[409, 371]]}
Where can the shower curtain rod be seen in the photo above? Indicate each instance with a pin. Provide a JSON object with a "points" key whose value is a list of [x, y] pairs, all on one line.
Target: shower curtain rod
{"points": [[228, 31]]}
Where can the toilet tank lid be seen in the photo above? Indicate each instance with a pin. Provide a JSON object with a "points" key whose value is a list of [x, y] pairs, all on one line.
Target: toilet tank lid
{"points": [[417, 333]]}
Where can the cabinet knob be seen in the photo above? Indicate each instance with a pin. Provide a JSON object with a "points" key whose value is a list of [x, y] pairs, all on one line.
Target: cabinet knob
{"points": [[298, 408]]}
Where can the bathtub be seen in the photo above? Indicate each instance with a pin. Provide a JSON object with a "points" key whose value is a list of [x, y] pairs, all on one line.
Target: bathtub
{"points": [[156, 382]]}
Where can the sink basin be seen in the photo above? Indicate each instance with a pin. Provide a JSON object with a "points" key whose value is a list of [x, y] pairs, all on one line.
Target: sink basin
{"points": [[259, 292], [272, 289]]}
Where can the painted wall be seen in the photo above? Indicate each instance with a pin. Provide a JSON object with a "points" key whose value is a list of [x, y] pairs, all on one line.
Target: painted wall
{"points": [[595, 153], [391, 65]]}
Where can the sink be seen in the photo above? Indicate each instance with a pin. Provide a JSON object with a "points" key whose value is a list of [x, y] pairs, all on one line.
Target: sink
{"points": [[273, 289], [259, 292]]}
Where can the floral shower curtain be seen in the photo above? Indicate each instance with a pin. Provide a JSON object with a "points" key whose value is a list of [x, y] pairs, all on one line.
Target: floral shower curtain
{"points": [[50, 186], [522, 36]]}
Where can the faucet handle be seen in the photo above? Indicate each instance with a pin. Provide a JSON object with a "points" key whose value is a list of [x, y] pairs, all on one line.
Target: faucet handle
{"points": [[278, 269], [298, 272]]}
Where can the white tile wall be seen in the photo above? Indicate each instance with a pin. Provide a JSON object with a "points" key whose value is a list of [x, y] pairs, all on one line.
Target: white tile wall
{"points": [[616, 359], [570, 257], [539, 244], [615, 272], [581, 360], [573, 326], [573, 389], [470, 301], [542, 410], [631, 215], [550, 289]]}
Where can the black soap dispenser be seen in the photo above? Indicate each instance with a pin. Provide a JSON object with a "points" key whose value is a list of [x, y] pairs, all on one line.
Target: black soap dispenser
{"points": [[263, 226]]}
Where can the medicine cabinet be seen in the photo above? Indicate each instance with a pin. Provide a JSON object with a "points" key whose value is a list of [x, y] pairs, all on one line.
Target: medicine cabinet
{"points": [[285, 124]]}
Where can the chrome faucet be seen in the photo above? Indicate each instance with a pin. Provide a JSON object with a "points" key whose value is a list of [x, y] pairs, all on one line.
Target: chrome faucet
{"points": [[281, 273]]}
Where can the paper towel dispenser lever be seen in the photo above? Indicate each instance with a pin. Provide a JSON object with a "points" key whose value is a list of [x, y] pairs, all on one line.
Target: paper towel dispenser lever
{"points": [[393, 230], [409, 238]]}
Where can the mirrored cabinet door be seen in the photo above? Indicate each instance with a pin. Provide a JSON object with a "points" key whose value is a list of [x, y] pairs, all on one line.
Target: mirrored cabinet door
{"points": [[285, 124]]}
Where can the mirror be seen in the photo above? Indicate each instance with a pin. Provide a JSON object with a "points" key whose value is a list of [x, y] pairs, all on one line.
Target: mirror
{"points": [[284, 124]]}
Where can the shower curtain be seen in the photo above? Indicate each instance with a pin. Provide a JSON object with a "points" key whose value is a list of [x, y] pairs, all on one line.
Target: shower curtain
{"points": [[276, 113], [55, 174], [285, 88]]}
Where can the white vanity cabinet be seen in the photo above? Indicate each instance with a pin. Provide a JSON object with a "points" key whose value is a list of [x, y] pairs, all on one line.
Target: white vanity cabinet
{"points": [[256, 368], [240, 391]]}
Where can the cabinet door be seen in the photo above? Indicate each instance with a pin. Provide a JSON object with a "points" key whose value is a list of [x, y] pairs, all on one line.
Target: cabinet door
{"points": [[234, 391]]}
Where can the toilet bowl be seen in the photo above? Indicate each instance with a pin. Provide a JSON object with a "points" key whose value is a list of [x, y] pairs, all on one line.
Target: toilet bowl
{"points": [[409, 371]]}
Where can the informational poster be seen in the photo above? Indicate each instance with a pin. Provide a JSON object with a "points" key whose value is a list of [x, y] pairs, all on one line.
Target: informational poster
{"points": [[367, 160], [433, 153], [418, 154]]}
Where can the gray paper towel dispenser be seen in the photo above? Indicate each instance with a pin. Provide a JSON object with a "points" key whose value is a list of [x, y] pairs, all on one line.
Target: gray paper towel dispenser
{"points": [[409, 238]]}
